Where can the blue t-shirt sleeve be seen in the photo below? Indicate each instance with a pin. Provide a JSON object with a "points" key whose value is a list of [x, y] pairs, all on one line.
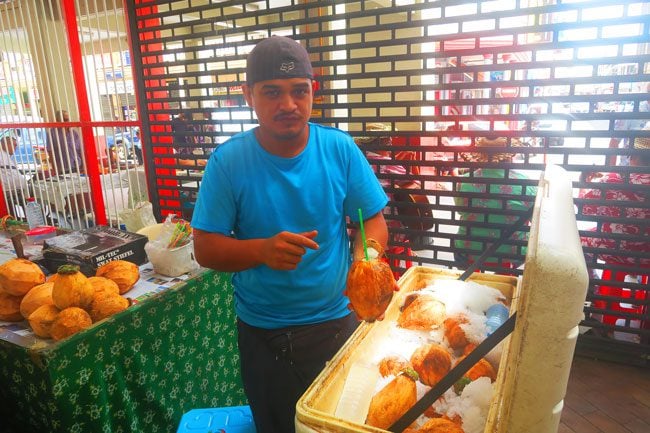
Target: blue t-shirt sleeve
{"points": [[215, 209], [364, 190]]}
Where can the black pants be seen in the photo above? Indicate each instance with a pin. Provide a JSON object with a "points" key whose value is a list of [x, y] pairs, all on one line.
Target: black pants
{"points": [[278, 365]]}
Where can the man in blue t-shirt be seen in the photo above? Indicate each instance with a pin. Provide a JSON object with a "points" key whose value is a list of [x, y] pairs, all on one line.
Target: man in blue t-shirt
{"points": [[272, 208]]}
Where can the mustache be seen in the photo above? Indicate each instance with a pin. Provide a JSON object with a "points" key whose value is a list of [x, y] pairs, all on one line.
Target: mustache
{"points": [[287, 116]]}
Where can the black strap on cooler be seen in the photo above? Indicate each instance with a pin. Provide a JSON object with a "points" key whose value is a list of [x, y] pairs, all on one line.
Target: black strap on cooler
{"points": [[454, 375], [493, 246]]}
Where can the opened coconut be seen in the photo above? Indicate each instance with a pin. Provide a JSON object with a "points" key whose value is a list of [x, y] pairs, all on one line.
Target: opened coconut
{"points": [[37, 296], [106, 304], [370, 286], [70, 321], [71, 288], [42, 318], [18, 276], [10, 307], [101, 284], [124, 273]]}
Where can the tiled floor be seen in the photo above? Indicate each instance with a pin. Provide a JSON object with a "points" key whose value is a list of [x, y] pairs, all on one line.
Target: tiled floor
{"points": [[605, 397]]}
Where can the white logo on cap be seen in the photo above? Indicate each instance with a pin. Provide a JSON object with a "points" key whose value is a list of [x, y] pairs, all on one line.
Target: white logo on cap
{"points": [[286, 67]]}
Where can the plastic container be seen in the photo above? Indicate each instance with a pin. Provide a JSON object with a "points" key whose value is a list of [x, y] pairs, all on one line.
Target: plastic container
{"points": [[236, 419], [39, 234], [548, 299], [34, 213], [319, 409], [151, 232], [496, 315], [171, 262]]}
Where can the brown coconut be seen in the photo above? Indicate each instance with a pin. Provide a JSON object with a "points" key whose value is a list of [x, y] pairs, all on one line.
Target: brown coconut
{"points": [[482, 368], [71, 288], [441, 425], [39, 295], [124, 273], [18, 276], [393, 400], [421, 311], [10, 307], [70, 321], [370, 288], [101, 284], [105, 305], [454, 333], [42, 318], [432, 362]]}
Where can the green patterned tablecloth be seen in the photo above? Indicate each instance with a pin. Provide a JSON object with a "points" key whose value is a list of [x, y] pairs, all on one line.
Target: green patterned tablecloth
{"points": [[138, 371]]}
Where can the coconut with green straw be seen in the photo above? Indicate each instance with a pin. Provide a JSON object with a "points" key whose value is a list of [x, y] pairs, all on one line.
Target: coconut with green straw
{"points": [[363, 235], [370, 283]]}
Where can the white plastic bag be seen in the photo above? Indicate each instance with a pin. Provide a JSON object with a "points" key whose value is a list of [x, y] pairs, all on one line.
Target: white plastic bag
{"points": [[140, 216], [170, 262], [173, 262]]}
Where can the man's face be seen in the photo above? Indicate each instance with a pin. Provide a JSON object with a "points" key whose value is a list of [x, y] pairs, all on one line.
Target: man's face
{"points": [[283, 107]]}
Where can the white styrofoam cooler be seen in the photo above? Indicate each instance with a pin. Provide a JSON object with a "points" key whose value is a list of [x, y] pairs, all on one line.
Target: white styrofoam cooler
{"points": [[536, 359]]}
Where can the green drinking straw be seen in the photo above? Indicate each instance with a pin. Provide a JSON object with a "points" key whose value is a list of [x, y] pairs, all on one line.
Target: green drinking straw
{"points": [[363, 236]]}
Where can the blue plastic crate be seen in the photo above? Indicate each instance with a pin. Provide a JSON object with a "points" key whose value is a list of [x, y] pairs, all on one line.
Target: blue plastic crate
{"points": [[236, 419]]}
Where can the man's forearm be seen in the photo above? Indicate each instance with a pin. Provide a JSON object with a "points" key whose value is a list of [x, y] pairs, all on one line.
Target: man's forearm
{"points": [[374, 228], [226, 254]]}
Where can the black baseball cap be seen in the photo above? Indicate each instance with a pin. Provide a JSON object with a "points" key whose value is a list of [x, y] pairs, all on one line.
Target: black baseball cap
{"points": [[275, 58]]}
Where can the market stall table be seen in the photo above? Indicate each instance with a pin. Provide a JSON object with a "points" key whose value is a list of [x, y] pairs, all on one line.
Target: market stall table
{"points": [[140, 370]]}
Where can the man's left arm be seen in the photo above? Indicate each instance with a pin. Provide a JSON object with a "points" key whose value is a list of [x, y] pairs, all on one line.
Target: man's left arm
{"points": [[375, 228]]}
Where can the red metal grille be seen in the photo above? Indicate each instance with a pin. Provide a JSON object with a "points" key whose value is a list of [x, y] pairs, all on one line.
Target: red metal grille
{"points": [[561, 82]]}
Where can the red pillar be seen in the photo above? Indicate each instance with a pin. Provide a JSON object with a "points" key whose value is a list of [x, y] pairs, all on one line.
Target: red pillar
{"points": [[90, 150]]}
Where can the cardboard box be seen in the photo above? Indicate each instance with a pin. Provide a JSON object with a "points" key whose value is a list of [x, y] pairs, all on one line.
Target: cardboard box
{"points": [[93, 247]]}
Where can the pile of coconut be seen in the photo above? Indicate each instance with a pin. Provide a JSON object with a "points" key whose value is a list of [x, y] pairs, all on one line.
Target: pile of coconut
{"points": [[65, 302]]}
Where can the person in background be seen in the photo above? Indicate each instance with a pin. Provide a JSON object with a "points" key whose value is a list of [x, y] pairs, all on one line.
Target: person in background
{"points": [[14, 184], [504, 218], [452, 140], [273, 208], [208, 127], [387, 162], [381, 161], [632, 253], [184, 140], [207, 138], [622, 211], [137, 145], [181, 133], [64, 148], [380, 158]]}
